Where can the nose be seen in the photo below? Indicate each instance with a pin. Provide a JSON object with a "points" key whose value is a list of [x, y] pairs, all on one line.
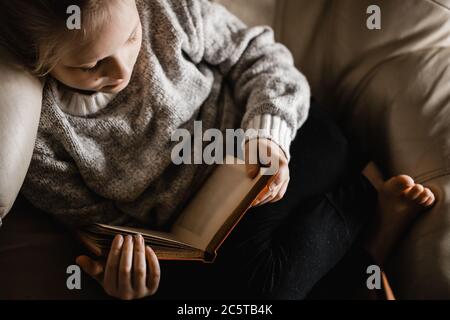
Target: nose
{"points": [[117, 69]]}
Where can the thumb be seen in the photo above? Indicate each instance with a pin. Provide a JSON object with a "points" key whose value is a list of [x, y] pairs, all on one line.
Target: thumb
{"points": [[90, 266]]}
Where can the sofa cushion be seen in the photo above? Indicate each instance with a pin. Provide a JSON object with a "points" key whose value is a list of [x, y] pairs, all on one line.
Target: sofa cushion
{"points": [[20, 105], [252, 12]]}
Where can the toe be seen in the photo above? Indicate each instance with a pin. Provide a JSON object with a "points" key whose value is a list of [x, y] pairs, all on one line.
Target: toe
{"points": [[431, 198], [400, 183], [424, 196], [415, 192], [430, 202], [422, 199]]}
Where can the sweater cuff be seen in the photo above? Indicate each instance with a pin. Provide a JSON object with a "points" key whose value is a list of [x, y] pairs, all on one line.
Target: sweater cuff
{"points": [[270, 127]]}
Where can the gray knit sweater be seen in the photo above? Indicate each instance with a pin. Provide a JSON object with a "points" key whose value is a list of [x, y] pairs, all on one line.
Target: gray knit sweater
{"points": [[197, 62]]}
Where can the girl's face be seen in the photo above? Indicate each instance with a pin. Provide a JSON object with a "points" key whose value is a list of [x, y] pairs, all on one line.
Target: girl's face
{"points": [[105, 61]]}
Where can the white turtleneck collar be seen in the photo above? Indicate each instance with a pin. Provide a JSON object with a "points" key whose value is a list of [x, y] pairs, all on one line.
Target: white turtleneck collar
{"points": [[79, 104]]}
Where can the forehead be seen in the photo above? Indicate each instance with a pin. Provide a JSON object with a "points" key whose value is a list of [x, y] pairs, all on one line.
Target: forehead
{"points": [[105, 40]]}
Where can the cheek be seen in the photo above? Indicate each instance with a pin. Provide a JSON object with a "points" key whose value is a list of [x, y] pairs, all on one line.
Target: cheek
{"points": [[74, 79]]}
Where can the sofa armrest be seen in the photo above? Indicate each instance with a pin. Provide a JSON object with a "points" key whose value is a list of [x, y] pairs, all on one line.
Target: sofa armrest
{"points": [[20, 107]]}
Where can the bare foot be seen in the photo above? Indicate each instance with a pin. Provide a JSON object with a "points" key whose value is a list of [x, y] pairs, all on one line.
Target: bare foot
{"points": [[400, 200]]}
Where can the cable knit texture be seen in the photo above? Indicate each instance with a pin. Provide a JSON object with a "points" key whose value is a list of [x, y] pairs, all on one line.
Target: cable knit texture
{"points": [[112, 163]]}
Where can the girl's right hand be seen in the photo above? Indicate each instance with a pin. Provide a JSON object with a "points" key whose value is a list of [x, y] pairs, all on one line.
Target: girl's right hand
{"points": [[132, 269]]}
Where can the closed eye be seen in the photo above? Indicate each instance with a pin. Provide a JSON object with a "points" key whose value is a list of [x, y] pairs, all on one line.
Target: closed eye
{"points": [[91, 69], [134, 36]]}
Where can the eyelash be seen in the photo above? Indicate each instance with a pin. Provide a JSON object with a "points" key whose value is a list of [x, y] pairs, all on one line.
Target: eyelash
{"points": [[133, 38], [94, 68]]}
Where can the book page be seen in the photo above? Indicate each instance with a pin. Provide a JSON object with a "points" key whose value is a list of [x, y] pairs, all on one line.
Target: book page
{"points": [[214, 203], [164, 237], [100, 246]]}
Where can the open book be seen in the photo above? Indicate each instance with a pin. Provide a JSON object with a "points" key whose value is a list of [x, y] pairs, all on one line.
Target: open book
{"points": [[205, 222]]}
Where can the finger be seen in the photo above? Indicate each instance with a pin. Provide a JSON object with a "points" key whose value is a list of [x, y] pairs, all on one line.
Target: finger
{"points": [[126, 263], [154, 273], [139, 266], [269, 196], [275, 193], [282, 175], [112, 265], [264, 195], [91, 267], [281, 192], [278, 182], [269, 199], [279, 179], [263, 198]]}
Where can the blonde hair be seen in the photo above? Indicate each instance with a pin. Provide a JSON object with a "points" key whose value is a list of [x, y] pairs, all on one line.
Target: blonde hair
{"points": [[35, 31]]}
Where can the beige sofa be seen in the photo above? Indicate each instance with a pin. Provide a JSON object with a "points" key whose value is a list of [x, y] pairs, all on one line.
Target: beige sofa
{"points": [[388, 88]]}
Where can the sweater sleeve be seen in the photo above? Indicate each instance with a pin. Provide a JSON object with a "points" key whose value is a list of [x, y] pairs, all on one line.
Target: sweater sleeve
{"points": [[56, 186], [262, 72]]}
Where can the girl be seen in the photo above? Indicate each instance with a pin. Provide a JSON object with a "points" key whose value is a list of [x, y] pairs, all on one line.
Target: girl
{"points": [[136, 71]]}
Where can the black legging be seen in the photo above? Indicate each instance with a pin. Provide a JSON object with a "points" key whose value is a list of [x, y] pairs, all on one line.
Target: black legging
{"points": [[282, 250]]}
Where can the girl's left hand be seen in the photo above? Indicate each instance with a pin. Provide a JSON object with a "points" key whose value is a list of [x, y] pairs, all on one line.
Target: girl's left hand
{"points": [[273, 155], [131, 271]]}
